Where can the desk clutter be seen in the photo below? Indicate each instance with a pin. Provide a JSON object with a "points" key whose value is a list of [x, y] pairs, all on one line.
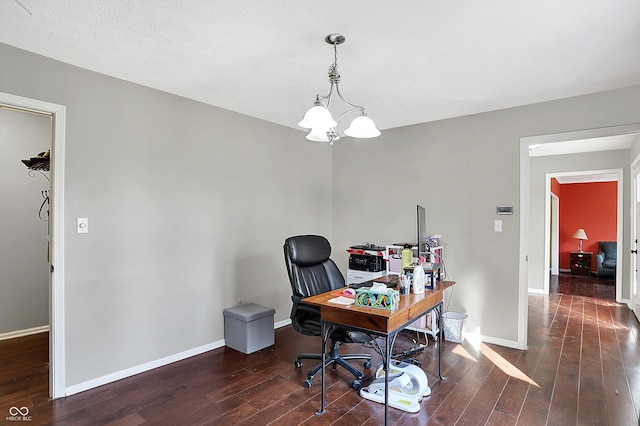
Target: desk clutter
{"points": [[419, 268], [377, 296], [367, 257]]}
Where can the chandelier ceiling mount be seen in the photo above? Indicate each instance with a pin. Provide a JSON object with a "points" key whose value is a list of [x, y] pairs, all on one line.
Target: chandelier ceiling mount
{"points": [[319, 119]]}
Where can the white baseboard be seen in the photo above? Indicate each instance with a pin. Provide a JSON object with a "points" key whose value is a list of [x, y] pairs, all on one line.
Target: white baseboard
{"points": [[472, 337], [536, 291], [25, 332], [118, 375], [282, 323]]}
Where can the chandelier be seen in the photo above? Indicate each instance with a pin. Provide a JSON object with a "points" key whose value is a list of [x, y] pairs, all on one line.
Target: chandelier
{"points": [[318, 118]]}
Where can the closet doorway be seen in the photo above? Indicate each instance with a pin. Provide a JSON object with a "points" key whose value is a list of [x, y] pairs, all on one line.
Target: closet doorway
{"points": [[55, 267]]}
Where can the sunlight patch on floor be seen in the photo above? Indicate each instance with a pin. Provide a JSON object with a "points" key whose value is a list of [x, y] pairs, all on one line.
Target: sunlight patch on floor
{"points": [[498, 360]]}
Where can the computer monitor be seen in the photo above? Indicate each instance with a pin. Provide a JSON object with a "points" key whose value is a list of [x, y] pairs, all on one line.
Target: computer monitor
{"points": [[421, 215]]}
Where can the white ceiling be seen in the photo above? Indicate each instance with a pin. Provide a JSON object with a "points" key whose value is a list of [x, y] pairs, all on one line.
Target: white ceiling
{"points": [[407, 61]]}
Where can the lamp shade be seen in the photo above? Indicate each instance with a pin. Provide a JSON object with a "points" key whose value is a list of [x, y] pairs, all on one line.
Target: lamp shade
{"points": [[362, 127], [320, 135], [580, 234], [317, 117]]}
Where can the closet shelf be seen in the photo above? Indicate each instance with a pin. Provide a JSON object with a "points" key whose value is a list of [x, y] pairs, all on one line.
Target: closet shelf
{"points": [[39, 162]]}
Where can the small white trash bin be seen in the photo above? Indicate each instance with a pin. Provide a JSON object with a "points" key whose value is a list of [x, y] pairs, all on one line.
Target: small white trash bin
{"points": [[453, 322]]}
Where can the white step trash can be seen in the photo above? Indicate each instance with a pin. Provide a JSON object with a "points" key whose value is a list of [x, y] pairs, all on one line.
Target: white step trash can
{"points": [[453, 322]]}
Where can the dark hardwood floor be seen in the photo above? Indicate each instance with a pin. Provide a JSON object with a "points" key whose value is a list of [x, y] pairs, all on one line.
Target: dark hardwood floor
{"points": [[601, 288], [582, 367]]}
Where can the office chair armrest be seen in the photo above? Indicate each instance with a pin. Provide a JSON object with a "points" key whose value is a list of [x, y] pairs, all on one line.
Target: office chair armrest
{"points": [[298, 305], [300, 310]]}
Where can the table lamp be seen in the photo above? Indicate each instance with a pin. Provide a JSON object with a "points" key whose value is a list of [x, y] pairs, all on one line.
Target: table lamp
{"points": [[580, 235]]}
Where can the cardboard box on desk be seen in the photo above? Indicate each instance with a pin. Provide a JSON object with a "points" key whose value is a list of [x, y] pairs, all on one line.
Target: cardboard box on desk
{"points": [[385, 299]]}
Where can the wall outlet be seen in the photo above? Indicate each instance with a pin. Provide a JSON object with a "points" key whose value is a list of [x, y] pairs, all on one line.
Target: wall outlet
{"points": [[497, 225]]}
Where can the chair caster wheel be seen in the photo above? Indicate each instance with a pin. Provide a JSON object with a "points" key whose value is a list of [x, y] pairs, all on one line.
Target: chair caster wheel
{"points": [[307, 384], [298, 363], [367, 365], [357, 384]]}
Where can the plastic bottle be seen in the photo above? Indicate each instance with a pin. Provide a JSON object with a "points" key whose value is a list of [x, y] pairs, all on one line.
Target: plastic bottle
{"points": [[418, 279], [407, 256]]}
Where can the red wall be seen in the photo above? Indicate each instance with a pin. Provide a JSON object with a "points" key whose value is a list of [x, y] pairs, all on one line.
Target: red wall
{"points": [[555, 187], [592, 206]]}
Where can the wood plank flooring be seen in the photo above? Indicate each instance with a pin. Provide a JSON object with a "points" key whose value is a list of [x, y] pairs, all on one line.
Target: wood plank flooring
{"points": [[602, 288], [582, 367]]}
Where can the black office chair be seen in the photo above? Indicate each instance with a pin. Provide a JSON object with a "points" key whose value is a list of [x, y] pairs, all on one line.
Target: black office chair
{"points": [[312, 272]]}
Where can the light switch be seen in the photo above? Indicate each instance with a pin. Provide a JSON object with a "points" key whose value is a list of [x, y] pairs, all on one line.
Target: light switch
{"points": [[82, 225], [497, 225]]}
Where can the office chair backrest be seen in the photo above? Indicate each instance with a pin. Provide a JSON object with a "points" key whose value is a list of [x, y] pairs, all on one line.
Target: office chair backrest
{"points": [[311, 271]]}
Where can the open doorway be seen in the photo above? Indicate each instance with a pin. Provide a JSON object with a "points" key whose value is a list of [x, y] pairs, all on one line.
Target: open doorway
{"points": [[56, 232], [532, 265], [24, 220], [587, 203]]}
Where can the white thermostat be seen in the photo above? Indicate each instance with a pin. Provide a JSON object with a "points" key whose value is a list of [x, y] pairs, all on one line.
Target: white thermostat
{"points": [[504, 210]]}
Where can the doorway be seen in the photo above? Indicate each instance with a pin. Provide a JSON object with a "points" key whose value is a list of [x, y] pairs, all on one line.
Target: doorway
{"points": [[565, 143], [56, 223], [25, 139], [552, 214]]}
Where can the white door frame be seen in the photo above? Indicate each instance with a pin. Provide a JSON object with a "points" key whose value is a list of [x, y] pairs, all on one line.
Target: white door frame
{"points": [[551, 230], [634, 293], [554, 234], [56, 285], [525, 143]]}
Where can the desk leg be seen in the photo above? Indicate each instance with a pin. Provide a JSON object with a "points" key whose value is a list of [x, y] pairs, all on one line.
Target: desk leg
{"points": [[440, 339], [325, 333], [390, 341], [387, 365]]}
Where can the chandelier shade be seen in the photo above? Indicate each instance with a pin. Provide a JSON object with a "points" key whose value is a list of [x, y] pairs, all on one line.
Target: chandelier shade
{"points": [[322, 135], [318, 118], [362, 127]]}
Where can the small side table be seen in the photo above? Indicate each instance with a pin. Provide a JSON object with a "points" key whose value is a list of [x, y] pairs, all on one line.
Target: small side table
{"points": [[580, 262]]}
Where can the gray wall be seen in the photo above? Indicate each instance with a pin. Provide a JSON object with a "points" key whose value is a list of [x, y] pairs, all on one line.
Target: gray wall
{"points": [[24, 267], [188, 208], [460, 169], [539, 167]]}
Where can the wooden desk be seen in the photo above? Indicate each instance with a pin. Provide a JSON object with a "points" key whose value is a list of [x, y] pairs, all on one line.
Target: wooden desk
{"points": [[380, 322]]}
